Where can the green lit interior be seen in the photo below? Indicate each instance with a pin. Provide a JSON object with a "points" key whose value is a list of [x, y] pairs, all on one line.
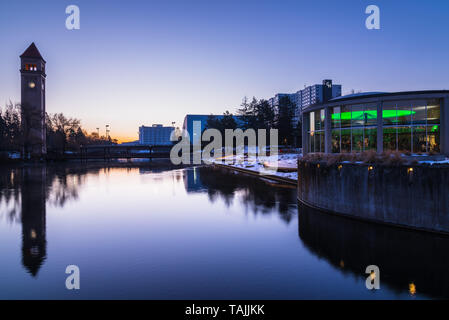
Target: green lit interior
{"points": [[403, 129], [371, 114]]}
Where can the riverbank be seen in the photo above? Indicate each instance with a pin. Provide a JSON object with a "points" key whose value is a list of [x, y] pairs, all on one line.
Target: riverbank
{"points": [[405, 194], [282, 168]]}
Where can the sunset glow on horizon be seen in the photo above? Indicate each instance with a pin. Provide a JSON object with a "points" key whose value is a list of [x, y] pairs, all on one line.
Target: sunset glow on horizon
{"points": [[154, 62]]}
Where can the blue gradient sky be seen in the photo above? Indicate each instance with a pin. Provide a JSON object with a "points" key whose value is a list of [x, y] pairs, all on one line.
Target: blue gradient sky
{"points": [[144, 62]]}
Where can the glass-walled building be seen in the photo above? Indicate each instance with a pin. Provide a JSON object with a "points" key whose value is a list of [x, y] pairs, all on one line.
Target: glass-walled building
{"points": [[410, 122]]}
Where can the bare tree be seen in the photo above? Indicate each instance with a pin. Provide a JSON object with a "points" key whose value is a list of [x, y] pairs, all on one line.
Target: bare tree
{"points": [[63, 127]]}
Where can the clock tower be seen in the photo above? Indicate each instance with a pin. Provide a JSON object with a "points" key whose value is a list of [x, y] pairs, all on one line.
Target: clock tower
{"points": [[32, 70]]}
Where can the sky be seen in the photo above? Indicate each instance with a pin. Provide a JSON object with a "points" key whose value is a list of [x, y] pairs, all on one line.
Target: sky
{"points": [[136, 63]]}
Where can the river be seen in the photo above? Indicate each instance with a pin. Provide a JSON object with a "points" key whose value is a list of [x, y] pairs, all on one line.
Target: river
{"points": [[153, 232]]}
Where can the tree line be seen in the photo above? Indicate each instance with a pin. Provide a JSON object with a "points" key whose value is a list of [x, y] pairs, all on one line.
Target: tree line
{"points": [[259, 114], [63, 133]]}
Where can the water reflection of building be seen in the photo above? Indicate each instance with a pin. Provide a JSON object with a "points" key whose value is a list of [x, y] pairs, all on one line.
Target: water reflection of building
{"points": [[34, 240], [411, 261], [192, 181], [256, 195]]}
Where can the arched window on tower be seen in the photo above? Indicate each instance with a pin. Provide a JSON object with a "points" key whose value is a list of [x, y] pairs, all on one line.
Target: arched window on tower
{"points": [[30, 67]]}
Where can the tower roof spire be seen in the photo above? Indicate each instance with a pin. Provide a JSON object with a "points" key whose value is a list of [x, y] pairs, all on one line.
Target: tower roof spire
{"points": [[32, 52]]}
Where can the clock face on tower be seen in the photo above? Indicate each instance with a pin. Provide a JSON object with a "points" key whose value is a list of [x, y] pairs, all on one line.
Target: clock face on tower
{"points": [[31, 84]]}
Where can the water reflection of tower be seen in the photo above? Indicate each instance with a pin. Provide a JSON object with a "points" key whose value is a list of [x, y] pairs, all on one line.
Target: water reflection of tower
{"points": [[34, 243]]}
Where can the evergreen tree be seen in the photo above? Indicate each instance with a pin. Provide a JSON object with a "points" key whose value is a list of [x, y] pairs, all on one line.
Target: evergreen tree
{"points": [[286, 112], [265, 115], [227, 122]]}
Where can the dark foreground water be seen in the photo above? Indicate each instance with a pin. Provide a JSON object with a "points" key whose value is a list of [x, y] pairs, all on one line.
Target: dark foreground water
{"points": [[196, 233]]}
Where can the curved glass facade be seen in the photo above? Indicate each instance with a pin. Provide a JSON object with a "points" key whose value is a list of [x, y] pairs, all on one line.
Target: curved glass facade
{"points": [[406, 126], [354, 128], [409, 126]]}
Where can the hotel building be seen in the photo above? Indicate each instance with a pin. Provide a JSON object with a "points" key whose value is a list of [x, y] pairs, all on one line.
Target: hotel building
{"points": [[311, 95], [155, 135]]}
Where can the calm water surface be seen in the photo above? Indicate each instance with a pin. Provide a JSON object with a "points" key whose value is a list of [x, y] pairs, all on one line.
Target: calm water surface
{"points": [[195, 233]]}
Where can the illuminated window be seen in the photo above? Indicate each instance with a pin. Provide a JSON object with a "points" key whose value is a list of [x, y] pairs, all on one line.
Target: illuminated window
{"points": [[336, 141], [404, 138], [358, 124], [419, 139], [345, 116], [30, 67], [345, 140], [357, 140], [433, 112], [408, 126], [321, 135], [433, 138], [322, 117], [390, 137], [370, 115], [404, 113], [389, 114], [357, 118], [336, 121], [370, 139], [312, 121], [419, 112], [318, 120], [316, 132]]}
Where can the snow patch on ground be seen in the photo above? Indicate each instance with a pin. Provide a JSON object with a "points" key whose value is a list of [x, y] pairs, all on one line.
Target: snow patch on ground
{"points": [[445, 161], [256, 164]]}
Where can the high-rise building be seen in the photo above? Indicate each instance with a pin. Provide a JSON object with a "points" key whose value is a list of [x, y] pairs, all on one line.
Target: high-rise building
{"points": [[311, 95], [317, 93], [274, 102]]}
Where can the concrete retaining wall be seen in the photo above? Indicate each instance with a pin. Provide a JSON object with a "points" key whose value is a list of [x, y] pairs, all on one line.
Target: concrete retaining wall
{"points": [[417, 198]]}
